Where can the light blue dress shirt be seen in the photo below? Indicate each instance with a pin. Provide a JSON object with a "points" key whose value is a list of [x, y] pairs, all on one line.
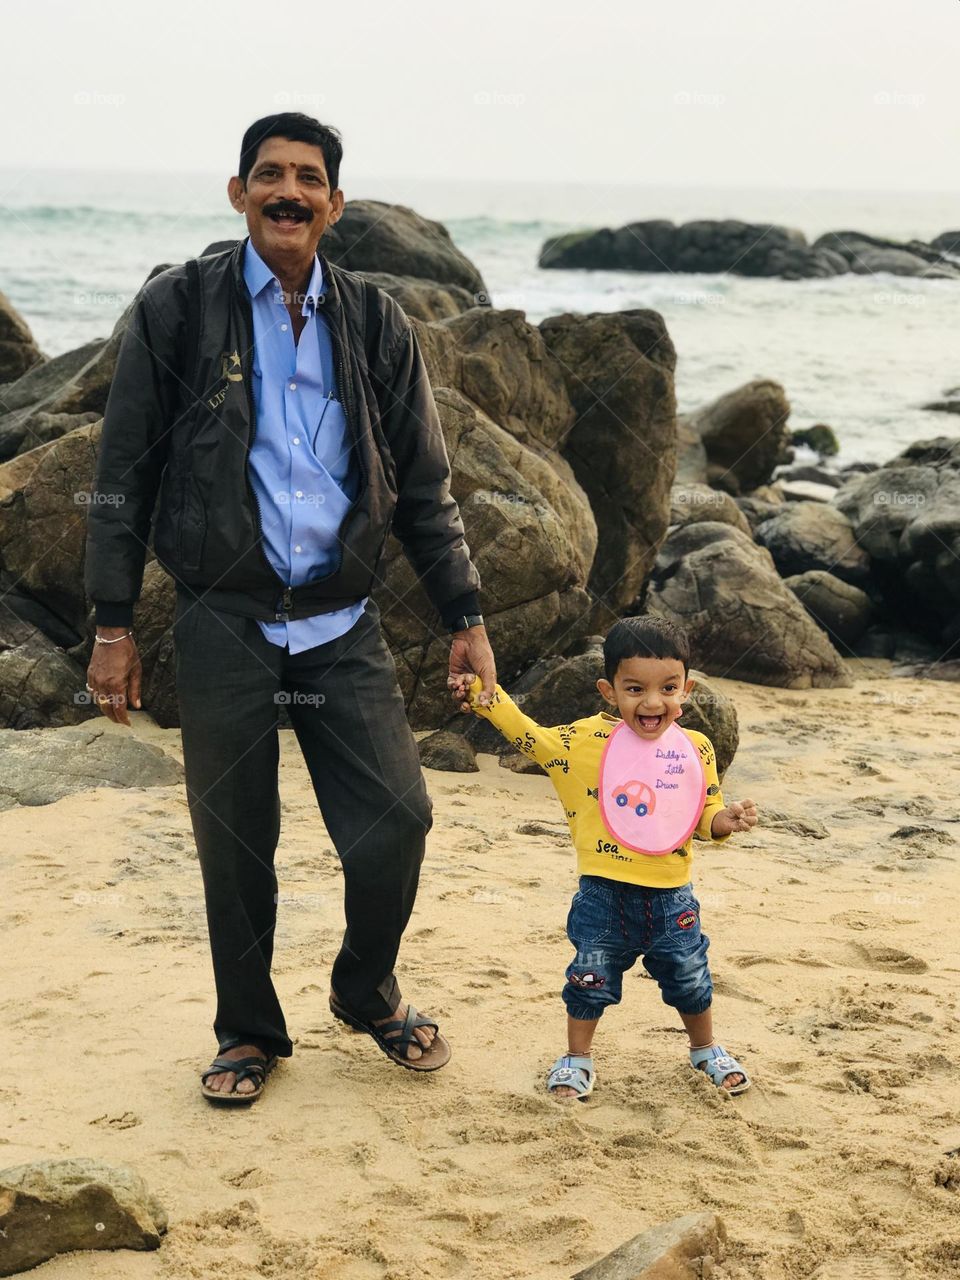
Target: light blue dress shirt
{"points": [[301, 465]]}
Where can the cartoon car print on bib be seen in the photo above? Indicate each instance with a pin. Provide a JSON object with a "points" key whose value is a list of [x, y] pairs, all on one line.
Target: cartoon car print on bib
{"points": [[636, 794]]}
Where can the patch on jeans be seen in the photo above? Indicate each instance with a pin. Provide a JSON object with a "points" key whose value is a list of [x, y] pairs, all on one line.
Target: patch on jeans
{"points": [[589, 979], [687, 919]]}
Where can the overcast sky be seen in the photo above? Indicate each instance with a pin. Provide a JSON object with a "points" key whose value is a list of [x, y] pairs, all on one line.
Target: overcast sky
{"points": [[828, 94]]}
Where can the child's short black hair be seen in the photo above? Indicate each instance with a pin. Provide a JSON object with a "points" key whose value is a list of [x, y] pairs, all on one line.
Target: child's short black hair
{"points": [[645, 637]]}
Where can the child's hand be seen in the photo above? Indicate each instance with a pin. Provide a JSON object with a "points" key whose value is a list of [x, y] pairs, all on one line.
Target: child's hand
{"points": [[459, 686], [738, 816]]}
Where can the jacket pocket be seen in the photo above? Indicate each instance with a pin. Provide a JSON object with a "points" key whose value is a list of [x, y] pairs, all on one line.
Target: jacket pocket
{"points": [[193, 526]]}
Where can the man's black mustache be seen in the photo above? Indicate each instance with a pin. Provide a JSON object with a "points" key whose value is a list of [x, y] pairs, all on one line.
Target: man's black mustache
{"points": [[299, 211]]}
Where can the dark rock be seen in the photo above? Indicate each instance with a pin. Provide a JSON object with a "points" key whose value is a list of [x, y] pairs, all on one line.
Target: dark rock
{"points": [[39, 766], [757, 510], [29, 396], [906, 516], [743, 622], [39, 683], [948, 670], [692, 502], [448, 751], [18, 351], [691, 455], [504, 366], [711, 712], [865, 254], [806, 471], [844, 611], [374, 236], [531, 535], [820, 438], [947, 242], [742, 248], [518, 763], [810, 828], [57, 1206], [44, 498], [423, 299], [745, 435], [812, 535], [618, 369]]}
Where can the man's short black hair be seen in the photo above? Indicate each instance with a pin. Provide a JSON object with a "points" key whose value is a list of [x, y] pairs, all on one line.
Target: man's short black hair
{"points": [[296, 127], [644, 637]]}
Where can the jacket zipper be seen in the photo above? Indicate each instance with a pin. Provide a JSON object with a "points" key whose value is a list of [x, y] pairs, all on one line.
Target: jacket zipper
{"points": [[280, 615]]}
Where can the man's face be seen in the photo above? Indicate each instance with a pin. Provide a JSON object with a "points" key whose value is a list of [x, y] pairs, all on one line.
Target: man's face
{"points": [[649, 693], [287, 199]]}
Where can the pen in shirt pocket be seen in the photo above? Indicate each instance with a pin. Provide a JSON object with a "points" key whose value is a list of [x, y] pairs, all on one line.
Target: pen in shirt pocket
{"points": [[326, 406]]}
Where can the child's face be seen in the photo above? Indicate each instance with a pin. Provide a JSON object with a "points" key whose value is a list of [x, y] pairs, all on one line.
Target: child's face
{"points": [[649, 693]]}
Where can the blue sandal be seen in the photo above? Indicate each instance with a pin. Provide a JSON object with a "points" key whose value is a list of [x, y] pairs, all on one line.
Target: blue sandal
{"points": [[573, 1072], [717, 1064]]}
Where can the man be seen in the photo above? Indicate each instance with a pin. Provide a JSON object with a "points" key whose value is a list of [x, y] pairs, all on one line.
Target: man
{"points": [[281, 408]]}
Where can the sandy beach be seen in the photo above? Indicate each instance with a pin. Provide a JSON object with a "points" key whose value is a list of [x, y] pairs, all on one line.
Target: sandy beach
{"points": [[835, 961]]}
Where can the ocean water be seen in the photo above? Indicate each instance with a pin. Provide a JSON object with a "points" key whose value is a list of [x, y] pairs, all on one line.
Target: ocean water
{"points": [[862, 353]]}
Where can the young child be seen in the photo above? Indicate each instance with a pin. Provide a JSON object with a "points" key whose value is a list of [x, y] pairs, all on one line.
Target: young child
{"points": [[630, 903]]}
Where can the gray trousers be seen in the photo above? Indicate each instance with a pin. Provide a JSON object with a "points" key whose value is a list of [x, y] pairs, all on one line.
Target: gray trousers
{"points": [[347, 712]]}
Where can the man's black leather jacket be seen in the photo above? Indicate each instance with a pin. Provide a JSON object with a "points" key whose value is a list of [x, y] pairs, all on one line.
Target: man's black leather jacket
{"points": [[179, 420]]}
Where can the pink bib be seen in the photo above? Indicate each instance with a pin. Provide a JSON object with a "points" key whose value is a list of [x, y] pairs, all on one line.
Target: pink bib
{"points": [[651, 792]]}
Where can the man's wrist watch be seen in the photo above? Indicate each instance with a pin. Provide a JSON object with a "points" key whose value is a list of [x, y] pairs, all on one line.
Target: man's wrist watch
{"points": [[466, 620]]}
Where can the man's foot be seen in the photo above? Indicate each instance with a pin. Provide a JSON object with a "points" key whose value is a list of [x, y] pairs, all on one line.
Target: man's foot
{"points": [[425, 1035], [225, 1081]]}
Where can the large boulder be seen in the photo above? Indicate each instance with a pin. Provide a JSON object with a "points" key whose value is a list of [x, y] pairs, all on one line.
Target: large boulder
{"points": [[619, 368], [865, 255], [532, 536], [44, 498], [742, 248], [18, 351], [423, 299], [58, 1206], [711, 712], [844, 611], [374, 236], [39, 683], [906, 516], [742, 620], [30, 395], [504, 366], [745, 435], [813, 535]]}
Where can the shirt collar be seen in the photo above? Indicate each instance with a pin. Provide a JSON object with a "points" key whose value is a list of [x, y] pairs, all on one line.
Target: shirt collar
{"points": [[257, 275]]}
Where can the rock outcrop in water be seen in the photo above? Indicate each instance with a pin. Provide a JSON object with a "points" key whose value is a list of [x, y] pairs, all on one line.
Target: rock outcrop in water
{"points": [[743, 249]]}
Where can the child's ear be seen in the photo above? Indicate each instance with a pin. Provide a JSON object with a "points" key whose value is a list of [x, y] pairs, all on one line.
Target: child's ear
{"points": [[607, 691], [688, 688]]}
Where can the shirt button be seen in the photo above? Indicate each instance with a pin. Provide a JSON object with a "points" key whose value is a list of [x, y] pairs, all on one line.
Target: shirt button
{"points": [[283, 328], [298, 548], [299, 493], [296, 439], [293, 386]]}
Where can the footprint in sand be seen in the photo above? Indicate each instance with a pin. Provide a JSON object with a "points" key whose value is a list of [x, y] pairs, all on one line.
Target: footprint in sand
{"points": [[244, 1178], [859, 1267], [126, 1120], [889, 959]]}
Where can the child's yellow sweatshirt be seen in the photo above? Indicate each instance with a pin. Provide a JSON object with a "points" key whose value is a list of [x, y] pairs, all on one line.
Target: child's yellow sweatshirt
{"points": [[570, 754]]}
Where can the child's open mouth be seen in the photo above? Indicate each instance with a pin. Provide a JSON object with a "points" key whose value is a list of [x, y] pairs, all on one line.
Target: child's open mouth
{"points": [[649, 722]]}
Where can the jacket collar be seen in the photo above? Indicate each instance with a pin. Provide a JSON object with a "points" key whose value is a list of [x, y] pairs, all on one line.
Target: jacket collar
{"points": [[331, 294]]}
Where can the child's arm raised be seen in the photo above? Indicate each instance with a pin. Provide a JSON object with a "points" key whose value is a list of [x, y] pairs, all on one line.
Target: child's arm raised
{"points": [[533, 739]]}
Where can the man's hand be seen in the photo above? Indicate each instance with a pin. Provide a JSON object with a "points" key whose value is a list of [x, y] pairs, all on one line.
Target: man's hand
{"points": [[470, 654], [114, 675], [738, 816]]}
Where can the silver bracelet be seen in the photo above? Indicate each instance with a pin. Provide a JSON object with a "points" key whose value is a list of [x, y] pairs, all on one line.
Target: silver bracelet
{"points": [[100, 639]]}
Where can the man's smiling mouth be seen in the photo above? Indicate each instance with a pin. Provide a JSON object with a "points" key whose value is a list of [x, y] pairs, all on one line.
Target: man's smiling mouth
{"points": [[287, 215]]}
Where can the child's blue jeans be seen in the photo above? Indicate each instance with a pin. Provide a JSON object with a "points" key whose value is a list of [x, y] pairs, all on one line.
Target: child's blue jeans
{"points": [[612, 924]]}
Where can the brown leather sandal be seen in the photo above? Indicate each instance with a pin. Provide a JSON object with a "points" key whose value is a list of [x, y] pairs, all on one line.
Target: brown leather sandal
{"points": [[396, 1046]]}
